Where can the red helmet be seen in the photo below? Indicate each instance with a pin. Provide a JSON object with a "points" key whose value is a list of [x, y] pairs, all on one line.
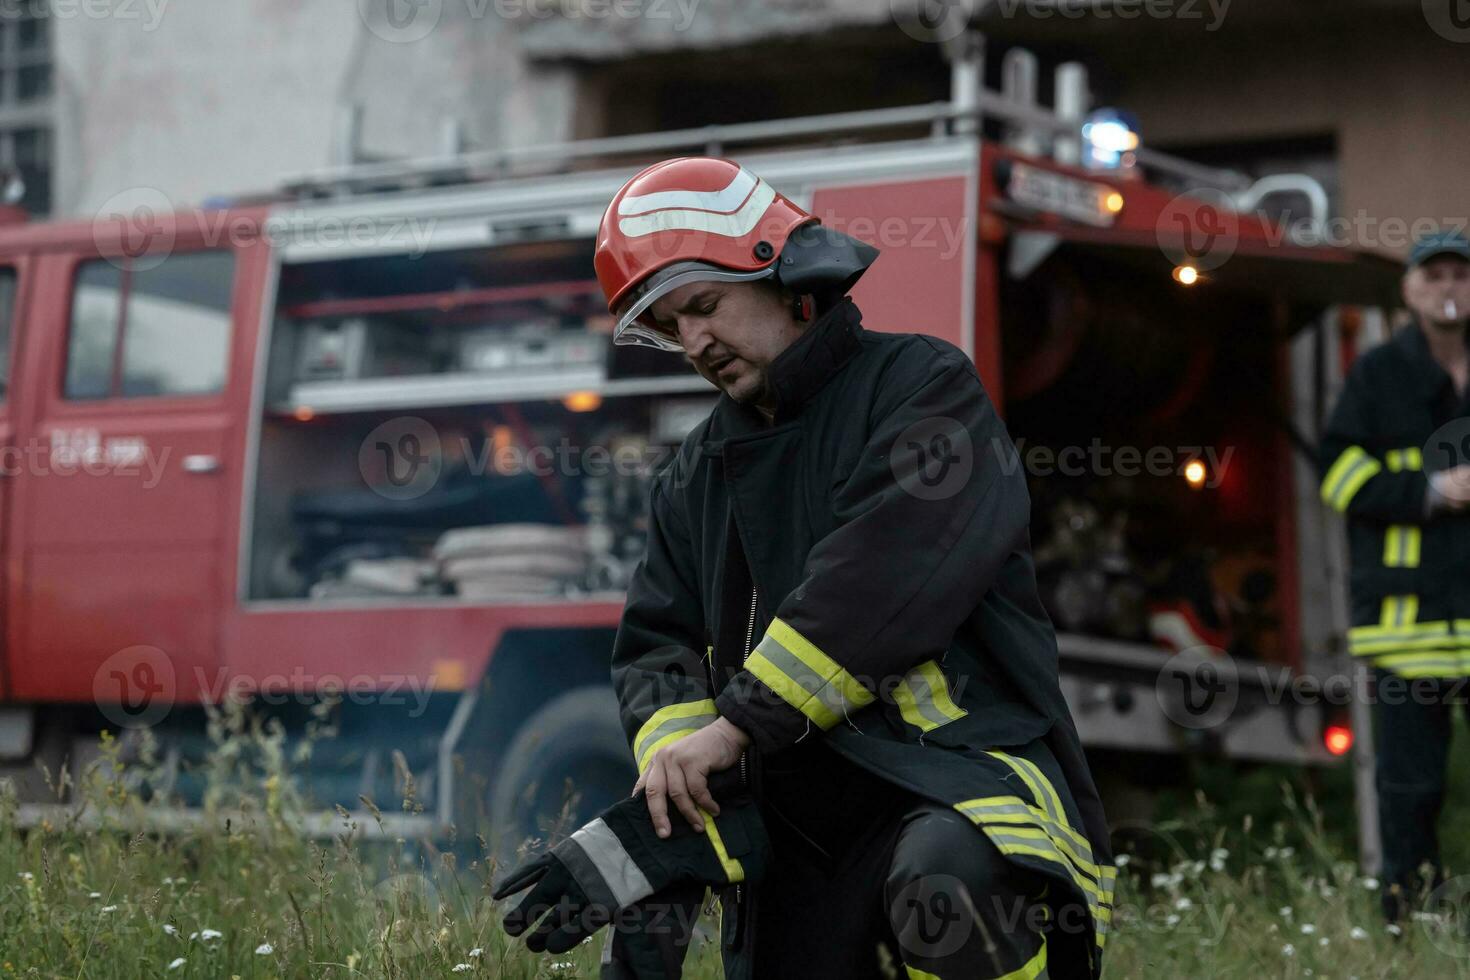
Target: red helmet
{"points": [[685, 220]]}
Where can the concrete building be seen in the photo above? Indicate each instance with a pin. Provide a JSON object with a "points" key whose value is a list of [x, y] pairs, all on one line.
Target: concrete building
{"points": [[204, 100]]}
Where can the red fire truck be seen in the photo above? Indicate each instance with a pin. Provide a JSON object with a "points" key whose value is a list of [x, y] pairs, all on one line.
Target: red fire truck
{"points": [[368, 434]]}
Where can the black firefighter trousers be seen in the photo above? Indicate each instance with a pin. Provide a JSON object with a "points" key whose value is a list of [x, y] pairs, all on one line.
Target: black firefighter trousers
{"points": [[1414, 721], [889, 885]]}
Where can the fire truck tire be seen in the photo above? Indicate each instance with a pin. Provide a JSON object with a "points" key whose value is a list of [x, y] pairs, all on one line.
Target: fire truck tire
{"points": [[572, 749]]}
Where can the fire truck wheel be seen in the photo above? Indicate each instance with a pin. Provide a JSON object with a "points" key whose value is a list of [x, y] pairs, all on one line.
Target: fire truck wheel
{"points": [[568, 763]]}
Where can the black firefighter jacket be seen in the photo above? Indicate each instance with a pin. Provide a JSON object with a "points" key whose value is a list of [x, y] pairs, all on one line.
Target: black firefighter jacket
{"points": [[1410, 577], [884, 516]]}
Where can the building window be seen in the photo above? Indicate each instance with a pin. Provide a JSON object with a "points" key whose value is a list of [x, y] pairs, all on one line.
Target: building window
{"points": [[25, 102]]}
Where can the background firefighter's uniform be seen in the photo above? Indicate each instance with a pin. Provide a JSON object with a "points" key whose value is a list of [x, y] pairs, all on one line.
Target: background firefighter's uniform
{"points": [[1410, 579], [895, 624]]}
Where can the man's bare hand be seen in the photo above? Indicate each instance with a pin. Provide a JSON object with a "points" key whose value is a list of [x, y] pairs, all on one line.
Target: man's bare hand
{"points": [[679, 772], [1454, 486]]}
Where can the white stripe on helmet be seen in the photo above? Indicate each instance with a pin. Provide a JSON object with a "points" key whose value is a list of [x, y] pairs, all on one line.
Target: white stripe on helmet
{"points": [[737, 224], [725, 200]]}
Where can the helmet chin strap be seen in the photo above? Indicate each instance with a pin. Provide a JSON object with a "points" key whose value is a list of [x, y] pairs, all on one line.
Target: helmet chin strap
{"points": [[801, 308]]}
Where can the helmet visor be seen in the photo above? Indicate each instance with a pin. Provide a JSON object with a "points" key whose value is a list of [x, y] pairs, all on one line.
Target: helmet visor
{"points": [[636, 327]]}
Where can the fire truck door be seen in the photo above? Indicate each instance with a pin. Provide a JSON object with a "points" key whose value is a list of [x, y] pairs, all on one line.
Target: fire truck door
{"points": [[125, 513]]}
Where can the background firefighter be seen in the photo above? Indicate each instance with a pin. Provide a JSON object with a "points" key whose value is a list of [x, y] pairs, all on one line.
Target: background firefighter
{"points": [[838, 599], [1394, 465]]}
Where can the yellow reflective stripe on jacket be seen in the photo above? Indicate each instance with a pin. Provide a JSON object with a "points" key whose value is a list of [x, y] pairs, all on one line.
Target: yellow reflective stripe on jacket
{"points": [[914, 973], [1398, 630], [1442, 663], [734, 871], [1401, 546], [1411, 458], [923, 698], [1347, 475], [805, 677], [669, 724], [1035, 969]]}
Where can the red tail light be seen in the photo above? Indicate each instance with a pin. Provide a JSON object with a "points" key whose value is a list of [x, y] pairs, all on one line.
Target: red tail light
{"points": [[1338, 739]]}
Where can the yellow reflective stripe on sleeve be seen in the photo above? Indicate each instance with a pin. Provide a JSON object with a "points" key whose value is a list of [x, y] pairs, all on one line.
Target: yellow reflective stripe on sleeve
{"points": [[805, 677], [1411, 458], [669, 724], [923, 698], [1401, 546], [734, 871], [1347, 475]]}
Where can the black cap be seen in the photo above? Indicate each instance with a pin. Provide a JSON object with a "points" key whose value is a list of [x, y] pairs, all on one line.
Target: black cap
{"points": [[1436, 243]]}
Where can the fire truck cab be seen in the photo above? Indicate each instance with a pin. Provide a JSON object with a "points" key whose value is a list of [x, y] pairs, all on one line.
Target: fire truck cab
{"points": [[368, 435]]}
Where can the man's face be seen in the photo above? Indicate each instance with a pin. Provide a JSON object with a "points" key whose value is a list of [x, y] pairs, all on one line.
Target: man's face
{"points": [[1438, 291], [730, 332]]}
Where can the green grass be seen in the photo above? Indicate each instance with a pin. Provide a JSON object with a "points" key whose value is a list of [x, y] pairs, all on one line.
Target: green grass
{"points": [[1208, 891]]}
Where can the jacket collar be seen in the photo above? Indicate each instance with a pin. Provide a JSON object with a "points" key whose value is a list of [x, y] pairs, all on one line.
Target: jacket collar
{"points": [[1415, 347], [800, 371]]}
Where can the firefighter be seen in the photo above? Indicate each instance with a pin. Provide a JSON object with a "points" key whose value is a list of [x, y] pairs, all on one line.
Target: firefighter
{"points": [[838, 602], [1393, 462]]}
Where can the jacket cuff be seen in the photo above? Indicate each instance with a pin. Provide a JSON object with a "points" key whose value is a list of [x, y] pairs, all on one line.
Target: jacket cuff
{"points": [[759, 712]]}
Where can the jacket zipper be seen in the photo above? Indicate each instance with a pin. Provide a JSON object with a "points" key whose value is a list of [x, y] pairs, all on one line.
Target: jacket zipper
{"points": [[749, 645], [744, 777]]}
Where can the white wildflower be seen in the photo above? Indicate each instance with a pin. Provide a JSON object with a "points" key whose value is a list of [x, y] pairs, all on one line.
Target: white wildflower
{"points": [[109, 908], [477, 951], [1370, 883], [94, 895], [1358, 932], [176, 963], [26, 876], [169, 930], [1288, 950], [1394, 929], [210, 934], [1324, 941], [1284, 911], [264, 949], [1122, 860], [1270, 853], [461, 968], [1171, 920], [1287, 852], [1183, 904], [1308, 928]]}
